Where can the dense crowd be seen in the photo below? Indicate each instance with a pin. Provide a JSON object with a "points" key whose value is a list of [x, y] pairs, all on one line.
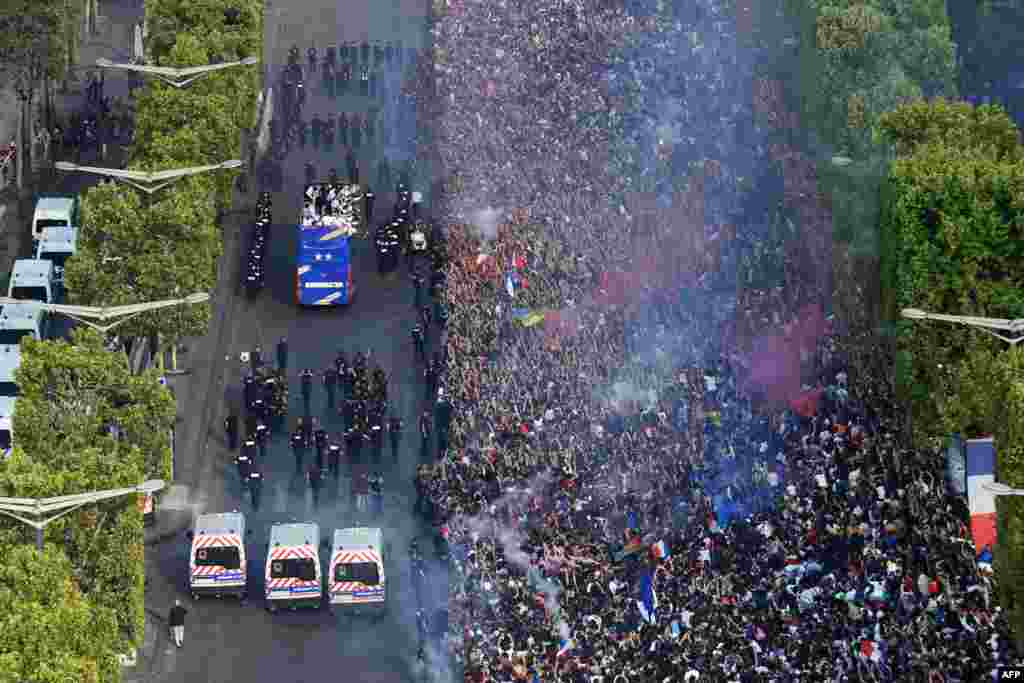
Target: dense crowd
{"points": [[652, 473]]}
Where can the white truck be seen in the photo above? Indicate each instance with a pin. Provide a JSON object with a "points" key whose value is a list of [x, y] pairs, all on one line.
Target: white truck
{"points": [[57, 244], [34, 280], [22, 320], [54, 211], [10, 359]]}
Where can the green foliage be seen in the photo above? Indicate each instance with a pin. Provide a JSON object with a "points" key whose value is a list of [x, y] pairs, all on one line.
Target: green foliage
{"points": [[52, 633], [985, 129], [170, 249], [32, 40], [71, 394], [170, 19]]}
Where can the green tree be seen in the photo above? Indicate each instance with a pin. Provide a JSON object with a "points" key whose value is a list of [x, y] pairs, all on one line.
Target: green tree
{"points": [[165, 250], [73, 396], [52, 633], [985, 129]]}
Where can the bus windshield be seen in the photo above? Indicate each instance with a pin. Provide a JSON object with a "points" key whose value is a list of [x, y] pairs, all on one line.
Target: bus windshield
{"points": [[363, 572]]}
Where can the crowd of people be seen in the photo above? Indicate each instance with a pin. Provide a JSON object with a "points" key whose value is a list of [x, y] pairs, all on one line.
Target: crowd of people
{"points": [[655, 473]]}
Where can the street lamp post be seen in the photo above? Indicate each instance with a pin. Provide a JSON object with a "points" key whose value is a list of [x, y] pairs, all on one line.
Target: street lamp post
{"points": [[24, 509], [104, 313], [145, 181], [998, 489], [179, 78], [988, 325]]}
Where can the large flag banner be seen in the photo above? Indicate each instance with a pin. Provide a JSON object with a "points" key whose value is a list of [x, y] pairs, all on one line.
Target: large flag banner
{"points": [[981, 467]]}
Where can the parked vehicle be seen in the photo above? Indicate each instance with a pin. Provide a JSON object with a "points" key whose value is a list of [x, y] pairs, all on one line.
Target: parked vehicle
{"points": [[54, 211], [292, 577], [217, 560]]}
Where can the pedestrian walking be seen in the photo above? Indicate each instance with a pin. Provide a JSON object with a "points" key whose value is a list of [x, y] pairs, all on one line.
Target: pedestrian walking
{"points": [[395, 432], [231, 431], [426, 430], [177, 622], [282, 354], [330, 384], [334, 458], [306, 379], [361, 487], [419, 341], [315, 475]]}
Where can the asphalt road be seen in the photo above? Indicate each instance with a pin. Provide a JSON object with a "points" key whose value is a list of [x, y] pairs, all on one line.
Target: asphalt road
{"points": [[228, 641]]}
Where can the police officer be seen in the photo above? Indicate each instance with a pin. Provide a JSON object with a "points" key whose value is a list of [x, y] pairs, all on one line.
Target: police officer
{"points": [[444, 416], [306, 378], [419, 339], [250, 449], [376, 422], [425, 316], [231, 431], [330, 384], [348, 413], [256, 485], [417, 283], [376, 487], [353, 442], [332, 175], [395, 432], [329, 131], [315, 476], [262, 435], [355, 125], [282, 354], [431, 373], [299, 444], [318, 126], [244, 467], [334, 458], [364, 80], [320, 444], [442, 315], [426, 430]]}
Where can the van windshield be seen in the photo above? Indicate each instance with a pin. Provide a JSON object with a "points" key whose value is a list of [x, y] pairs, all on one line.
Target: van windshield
{"points": [[363, 572], [30, 294], [13, 337], [295, 568], [223, 556], [5, 439], [51, 223], [8, 389]]}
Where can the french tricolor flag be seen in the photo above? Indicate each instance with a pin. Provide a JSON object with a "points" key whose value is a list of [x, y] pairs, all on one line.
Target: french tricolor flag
{"points": [[565, 647], [981, 467], [660, 550]]}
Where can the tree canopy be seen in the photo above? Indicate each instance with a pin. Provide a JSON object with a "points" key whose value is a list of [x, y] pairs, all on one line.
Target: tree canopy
{"points": [[51, 632]]}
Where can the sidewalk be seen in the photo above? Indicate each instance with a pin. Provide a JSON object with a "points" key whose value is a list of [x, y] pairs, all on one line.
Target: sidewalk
{"points": [[111, 40]]}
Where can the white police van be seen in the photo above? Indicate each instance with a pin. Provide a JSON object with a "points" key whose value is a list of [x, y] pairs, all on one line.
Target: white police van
{"points": [[57, 244], [217, 561], [33, 280], [292, 578], [22, 320], [357, 581], [54, 211]]}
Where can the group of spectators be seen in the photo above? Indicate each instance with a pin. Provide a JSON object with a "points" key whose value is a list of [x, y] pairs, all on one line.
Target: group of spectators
{"points": [[656, 473]]}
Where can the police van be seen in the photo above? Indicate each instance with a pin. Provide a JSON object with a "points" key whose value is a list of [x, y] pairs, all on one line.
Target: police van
{"points": [[217, 562], [357, 579], [22, 320], [54, 211], [33, 280], [292, 577], [57, 244]]}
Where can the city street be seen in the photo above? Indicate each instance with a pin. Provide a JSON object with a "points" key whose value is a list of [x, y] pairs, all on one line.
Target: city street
{"points": [[225, 640]]}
